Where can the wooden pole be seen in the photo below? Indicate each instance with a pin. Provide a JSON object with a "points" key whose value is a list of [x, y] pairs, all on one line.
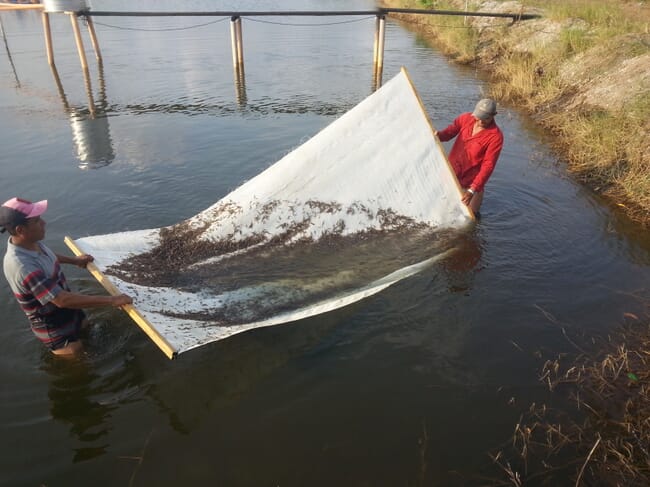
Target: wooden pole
{"points": [[135, 315], [48, 37], [20, 6], [93, 38], [80, 44], [240, 44], [84, 62]]}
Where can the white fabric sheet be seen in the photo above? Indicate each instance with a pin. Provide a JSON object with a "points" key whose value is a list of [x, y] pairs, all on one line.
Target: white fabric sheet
{"points": [[350, 212]]}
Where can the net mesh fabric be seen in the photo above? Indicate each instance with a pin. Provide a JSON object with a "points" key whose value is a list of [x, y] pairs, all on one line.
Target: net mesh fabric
{"points": [[363, 204]]}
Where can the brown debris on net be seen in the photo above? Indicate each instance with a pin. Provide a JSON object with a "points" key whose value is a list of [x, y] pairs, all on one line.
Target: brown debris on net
{"points": [[185, 243], [604, 437]]}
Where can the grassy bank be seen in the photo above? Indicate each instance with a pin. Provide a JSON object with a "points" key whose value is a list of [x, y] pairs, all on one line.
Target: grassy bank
{"points": [[582, 72]]}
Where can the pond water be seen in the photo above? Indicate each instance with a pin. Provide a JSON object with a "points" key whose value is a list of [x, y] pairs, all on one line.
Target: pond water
{"points": [[413, 386]]}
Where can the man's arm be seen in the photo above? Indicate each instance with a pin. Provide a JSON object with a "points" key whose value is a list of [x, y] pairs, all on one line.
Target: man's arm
{"points": [[487, 166], [79, 261], [67, 299], [450, 131]]}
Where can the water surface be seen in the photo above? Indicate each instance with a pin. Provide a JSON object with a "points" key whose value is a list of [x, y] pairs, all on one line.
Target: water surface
{"points": [[410, 387]]}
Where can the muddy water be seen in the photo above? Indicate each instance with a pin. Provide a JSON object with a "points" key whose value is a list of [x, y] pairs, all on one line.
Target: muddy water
{"points": [[410, 387]]}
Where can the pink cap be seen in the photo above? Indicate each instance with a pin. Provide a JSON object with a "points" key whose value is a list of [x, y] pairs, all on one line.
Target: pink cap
{"points": [[27, 208]]}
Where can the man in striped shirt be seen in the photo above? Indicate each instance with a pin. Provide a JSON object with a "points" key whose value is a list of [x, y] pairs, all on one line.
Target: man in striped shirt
{"points": [[35, 277]]}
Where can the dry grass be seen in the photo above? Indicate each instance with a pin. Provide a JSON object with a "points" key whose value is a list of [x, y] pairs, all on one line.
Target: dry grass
{"points": [[605, 439], [609, 151], [453, 34], [608, 18]]}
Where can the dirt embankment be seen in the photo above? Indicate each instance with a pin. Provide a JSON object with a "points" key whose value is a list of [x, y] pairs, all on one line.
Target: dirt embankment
{"points": [[594, 99]]}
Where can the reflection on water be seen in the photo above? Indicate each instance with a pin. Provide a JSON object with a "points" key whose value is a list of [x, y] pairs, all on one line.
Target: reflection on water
{"points": [[92, 139], [11, 60], [91, 134], [462, 265], [71, 390], [240, 86]]}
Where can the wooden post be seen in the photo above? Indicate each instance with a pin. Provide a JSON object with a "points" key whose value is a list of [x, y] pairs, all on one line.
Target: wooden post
{"points": [[93, 38], [135, 315], [240, 44], [48, 37], [84, 62], [80, 44]]}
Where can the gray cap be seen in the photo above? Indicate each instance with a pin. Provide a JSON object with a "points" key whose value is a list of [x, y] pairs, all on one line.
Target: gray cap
{"points": [[486, 108]]}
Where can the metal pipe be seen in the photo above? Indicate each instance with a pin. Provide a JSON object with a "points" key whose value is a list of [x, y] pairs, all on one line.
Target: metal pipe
{"points": [[233, 43], [376, 43], [238, 59], [380, 11], [379, 66]]}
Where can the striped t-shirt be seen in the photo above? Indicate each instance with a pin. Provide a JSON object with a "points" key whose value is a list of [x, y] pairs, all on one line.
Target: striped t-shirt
{"points": [[35, 277]]}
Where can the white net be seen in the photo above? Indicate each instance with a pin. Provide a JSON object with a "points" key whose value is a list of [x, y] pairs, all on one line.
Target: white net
{"points": [[360, 206]]}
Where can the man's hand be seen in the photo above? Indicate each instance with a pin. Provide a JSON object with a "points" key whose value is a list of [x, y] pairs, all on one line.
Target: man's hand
{"points": [[82, 260], [467, 197]]}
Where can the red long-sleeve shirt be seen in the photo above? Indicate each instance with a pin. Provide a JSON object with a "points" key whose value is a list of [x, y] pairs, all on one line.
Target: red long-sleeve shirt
{"points": [[473, 157]]}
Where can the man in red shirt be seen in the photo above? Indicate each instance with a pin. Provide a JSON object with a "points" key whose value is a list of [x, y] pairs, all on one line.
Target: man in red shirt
{"points": [[475, 151]]}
